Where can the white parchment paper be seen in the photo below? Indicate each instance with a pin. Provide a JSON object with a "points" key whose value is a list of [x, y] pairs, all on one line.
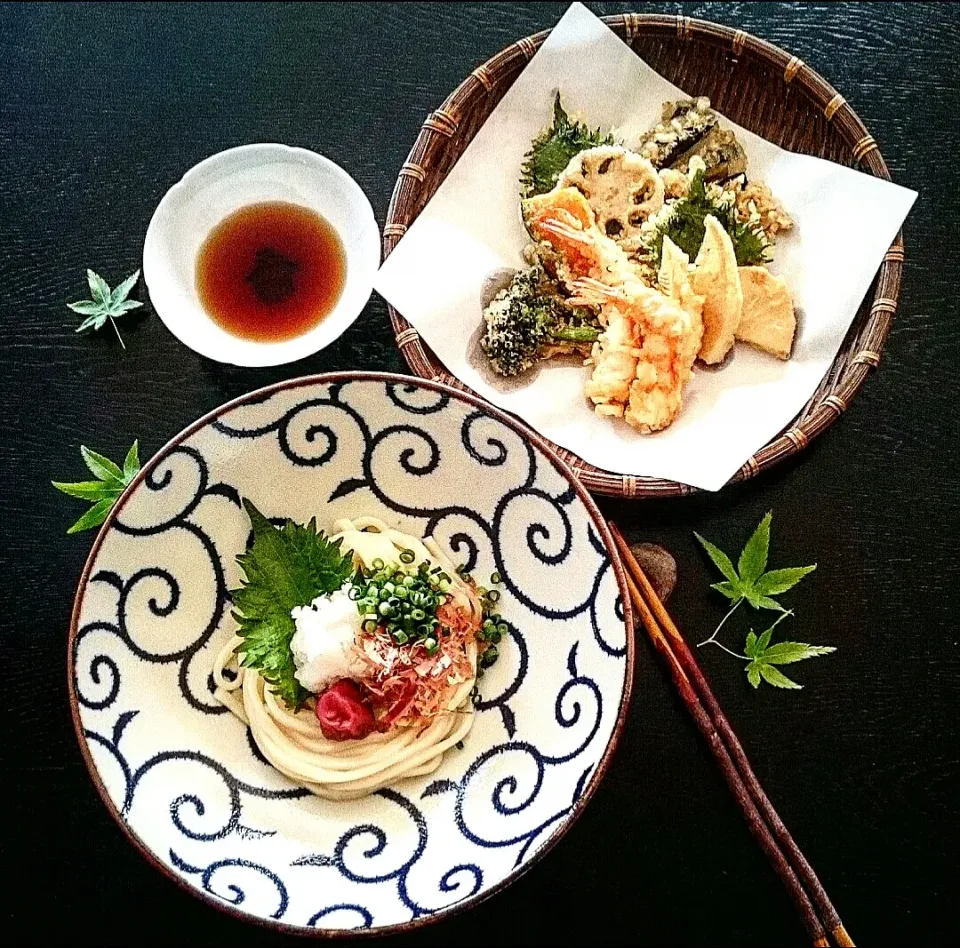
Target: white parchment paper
{"points": [[845, 221]]}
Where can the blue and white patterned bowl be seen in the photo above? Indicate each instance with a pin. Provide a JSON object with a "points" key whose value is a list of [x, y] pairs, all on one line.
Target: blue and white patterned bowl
{"points": [[182, 776]]}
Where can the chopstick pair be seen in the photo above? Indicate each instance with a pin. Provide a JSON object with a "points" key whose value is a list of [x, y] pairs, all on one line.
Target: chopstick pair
{"points": [[822, 922]]}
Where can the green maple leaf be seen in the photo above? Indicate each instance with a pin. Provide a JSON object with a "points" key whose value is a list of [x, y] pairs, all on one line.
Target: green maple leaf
{"points": [[750, 581], [111, 482], [105, 303], [764, 657], [284, 568]]}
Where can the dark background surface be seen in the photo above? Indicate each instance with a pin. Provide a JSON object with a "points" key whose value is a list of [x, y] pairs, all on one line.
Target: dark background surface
{"points": [[102, 108]]}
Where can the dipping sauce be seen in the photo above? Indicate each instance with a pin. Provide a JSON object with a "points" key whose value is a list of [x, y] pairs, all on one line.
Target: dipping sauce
{"points": [[271, 271]]}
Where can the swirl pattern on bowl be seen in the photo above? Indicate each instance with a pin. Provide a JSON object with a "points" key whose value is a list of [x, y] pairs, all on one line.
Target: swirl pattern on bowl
{"points": [[185, 779]]}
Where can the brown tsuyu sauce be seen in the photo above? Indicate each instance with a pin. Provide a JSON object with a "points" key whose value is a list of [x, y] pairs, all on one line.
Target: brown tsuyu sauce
{"points": [[271, 271]]}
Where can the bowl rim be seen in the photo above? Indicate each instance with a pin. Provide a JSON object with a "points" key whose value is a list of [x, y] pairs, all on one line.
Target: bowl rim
{"points": [[603, 764], [253, 353], [852, 365]]}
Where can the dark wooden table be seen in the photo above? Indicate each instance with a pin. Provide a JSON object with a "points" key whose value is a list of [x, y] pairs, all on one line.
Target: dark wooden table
{"points": [[102, 108]]}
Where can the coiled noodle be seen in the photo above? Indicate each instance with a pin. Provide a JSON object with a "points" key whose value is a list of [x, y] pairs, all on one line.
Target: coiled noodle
{"points": [[350, 769]]}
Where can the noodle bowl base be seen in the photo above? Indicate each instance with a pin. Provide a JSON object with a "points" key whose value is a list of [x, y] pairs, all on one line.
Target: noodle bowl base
{"points": [[182, 775]]}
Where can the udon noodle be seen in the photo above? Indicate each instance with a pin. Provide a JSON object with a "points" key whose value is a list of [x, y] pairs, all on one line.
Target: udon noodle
{"points": [[350, 769]]}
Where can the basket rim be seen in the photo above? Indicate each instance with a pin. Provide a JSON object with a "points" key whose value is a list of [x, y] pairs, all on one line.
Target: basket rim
{"points": [[843, 379]]}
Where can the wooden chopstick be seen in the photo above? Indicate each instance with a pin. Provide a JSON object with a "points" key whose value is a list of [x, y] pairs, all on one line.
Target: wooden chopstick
{"points": [[799, 862], [774, 838], [729, 770]]}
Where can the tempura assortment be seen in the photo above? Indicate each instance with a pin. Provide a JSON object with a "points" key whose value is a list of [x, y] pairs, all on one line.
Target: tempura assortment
{"points": [[643, 259]]}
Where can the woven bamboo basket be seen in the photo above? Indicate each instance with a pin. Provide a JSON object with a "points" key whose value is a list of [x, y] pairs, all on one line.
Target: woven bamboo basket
{"points": [[754, 83]]}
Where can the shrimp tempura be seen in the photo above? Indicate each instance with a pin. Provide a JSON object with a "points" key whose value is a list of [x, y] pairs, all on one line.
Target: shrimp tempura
{"points": [[565, 221], [644, 358]]}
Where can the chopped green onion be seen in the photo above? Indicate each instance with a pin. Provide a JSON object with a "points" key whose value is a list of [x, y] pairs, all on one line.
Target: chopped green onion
{"points": [[502, 628], [495, 578], [493, 595], [369, 625], [489, 657], [431, 646], [354, 593], [403, 600]]}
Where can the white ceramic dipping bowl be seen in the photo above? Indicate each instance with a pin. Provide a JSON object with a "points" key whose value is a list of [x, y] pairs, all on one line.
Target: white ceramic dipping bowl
{"points": [[224, 183]]}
